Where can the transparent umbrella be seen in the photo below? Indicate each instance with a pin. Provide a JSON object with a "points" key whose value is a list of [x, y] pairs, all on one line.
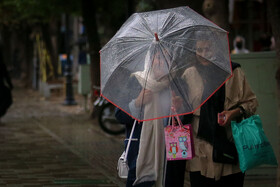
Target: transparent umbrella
{"points": [[158, 59]]}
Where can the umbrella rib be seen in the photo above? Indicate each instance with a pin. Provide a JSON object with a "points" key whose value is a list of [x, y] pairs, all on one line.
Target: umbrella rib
{"points": [[167, 21], [192, 52], [123, 49], [172, 78], [217, 29], [190, 27], [164, 37], [178, 46], [181, 92], [141, 109], [124, 61], [114, 42], [143, 31], [173, 26], [133, 38], [146, 25]]}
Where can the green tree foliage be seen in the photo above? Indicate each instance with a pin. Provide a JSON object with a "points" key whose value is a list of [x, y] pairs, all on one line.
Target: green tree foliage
{"points": [[110, 15], [14, 12], [22, 18]]}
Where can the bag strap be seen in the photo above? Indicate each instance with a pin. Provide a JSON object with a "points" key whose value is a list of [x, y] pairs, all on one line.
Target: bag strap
{"points": [[129, 140], [173, 118]]}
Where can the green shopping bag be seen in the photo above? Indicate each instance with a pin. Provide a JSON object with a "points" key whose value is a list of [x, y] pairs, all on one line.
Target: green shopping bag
{"points": [[251, 143]]}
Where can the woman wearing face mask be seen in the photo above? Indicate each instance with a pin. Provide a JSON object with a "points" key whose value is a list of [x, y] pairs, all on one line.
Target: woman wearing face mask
{"points": [[239, 46], [232, 101]]}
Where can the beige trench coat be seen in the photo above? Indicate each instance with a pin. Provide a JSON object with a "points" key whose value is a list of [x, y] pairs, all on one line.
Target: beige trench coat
{"points": [[238, 93]]}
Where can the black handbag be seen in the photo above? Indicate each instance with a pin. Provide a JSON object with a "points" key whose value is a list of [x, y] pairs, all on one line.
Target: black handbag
{"points": [[224, 151]]}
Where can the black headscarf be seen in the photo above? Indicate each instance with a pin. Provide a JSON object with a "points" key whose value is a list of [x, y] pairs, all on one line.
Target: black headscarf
{"points": [[208, 122]]}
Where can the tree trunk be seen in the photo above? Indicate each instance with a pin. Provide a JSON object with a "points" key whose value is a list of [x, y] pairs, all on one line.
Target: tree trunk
{"points": [[273, 11], [217, 11], [89, 17], [25, 45], [54, 45]]}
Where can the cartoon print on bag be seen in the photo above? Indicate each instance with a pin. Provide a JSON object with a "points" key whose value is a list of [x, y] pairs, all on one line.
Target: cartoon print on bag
{"points": [[183, 144], [173, 149]]}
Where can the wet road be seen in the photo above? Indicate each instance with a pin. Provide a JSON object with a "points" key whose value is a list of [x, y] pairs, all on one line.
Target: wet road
{"points": [[43, 143]]}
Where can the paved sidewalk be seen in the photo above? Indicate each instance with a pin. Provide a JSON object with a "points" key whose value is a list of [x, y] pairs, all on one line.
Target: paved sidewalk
{"points": [[43, 143]]}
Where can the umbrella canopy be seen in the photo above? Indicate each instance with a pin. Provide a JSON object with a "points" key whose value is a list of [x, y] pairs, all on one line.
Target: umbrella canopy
{"points": [[163, 56]]}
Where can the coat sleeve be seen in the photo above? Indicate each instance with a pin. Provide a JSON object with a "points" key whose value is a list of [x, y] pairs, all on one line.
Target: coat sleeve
{"points": [[123, 118], [240, 94], [195, 86]]}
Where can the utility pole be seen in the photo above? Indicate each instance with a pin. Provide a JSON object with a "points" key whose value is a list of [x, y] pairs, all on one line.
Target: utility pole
{"points": [[69, 100]]}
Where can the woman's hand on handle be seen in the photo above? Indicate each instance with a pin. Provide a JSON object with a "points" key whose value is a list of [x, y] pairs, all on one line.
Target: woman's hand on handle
{"points": [[144, 97]]}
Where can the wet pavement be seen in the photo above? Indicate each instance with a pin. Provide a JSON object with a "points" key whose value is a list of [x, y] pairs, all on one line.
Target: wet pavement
{"points": [[44, 143]]}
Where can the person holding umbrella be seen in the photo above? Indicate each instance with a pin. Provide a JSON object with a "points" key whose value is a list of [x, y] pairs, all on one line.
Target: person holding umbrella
{"points": [[158, 87], [211, 123]]}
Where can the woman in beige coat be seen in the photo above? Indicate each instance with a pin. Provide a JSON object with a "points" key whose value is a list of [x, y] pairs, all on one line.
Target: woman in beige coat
{"points": [[233, 101]]}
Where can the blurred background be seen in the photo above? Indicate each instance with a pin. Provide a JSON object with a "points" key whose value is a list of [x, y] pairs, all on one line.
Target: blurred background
{"points": [[52, 48], [36, 36]]}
